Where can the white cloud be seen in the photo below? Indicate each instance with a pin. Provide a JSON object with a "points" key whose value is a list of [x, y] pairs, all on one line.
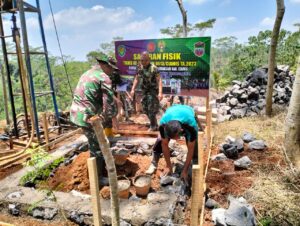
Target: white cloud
{"points": [[225, 2], [195, 2], [295, 1], [167, 19], [267, 22], [82, 29]]}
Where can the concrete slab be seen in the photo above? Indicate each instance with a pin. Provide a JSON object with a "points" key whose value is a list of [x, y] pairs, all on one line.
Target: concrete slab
{"points": [[78, 208]]}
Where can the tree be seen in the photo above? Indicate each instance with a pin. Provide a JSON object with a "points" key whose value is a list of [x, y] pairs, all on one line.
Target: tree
{"points": [[106, 48], [184, 18], [292, 124], [177, 30], [272, 54]]}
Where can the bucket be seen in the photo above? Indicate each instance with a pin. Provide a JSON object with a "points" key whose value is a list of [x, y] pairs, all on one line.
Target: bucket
{"points": [[123, 188], [142, 184], [120, 156]]}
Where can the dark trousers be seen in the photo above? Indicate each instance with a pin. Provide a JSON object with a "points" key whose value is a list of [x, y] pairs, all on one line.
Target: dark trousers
{"points": [[95, 150], [157, 151]]}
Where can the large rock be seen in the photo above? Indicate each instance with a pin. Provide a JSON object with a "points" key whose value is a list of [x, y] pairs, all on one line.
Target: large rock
{"points": [[238, 113], [239, 143], [233, 102], [219, 157], [231, 151], [243, 162], [248, 137], [218, 217], [211, 204], [239, 213], [257, 145], [44, 213]]}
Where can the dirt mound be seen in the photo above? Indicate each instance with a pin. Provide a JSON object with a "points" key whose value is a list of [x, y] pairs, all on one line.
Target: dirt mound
{"points": [[75, 175]]}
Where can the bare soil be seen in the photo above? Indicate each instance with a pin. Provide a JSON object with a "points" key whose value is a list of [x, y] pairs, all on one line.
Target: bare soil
{"points": [[75, 175]]}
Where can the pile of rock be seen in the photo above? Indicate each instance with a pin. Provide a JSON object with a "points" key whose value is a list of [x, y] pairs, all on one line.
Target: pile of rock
{"points": [[248, 98], [231, 148]]}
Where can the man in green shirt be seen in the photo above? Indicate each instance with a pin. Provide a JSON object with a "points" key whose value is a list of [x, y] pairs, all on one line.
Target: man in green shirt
{"points": [[94, 86], [151, 86]]}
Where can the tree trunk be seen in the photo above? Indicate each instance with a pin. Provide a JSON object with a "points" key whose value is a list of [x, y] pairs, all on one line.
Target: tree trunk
{"points": [[184, 17], [111, 169], [292, 124], [272, 54]]}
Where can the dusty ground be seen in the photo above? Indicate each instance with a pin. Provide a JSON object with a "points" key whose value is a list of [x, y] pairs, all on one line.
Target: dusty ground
{"points": [[269, 184]]}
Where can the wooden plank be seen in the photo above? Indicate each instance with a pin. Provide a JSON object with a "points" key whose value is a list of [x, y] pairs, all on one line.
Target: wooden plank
{"points": [[201, 165], [132, 132], [208, 123], [94, 187], [46, 131], [63, 137], [5, 224], [195, 195]]}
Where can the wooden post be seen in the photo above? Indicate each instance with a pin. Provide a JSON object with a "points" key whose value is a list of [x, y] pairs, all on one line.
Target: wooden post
{"points": [[46, 132], [201, 163], [208, 125], [111, 169], [195, 195], [94, 187]]}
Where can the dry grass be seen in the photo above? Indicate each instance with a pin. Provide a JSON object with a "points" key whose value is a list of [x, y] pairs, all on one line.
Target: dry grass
{"points": [[276, 197], [269, 129], [276, 191]]}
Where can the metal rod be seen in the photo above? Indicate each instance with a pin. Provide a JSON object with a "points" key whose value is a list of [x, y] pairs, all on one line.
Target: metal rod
{"points": [[33, 53], [16, 35], [47, 62], [8, 73], [28, 64], [5, 96]]}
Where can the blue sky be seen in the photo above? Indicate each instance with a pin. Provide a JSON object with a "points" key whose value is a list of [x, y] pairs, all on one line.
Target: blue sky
{"points": [[84, 24]]}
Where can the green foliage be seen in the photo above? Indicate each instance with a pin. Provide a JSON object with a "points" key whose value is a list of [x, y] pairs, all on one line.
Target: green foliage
{"points": [[40, 172], [265, 221], [49, 196], [177, 30], [106, 48], [234, 61]]}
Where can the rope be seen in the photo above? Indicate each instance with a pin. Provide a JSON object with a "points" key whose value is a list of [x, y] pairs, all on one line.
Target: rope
{"points": [[59, 46]]}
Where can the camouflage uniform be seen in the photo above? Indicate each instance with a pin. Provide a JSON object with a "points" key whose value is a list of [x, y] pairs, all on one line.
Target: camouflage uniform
{"points": [[92, 88], [149, 86]]}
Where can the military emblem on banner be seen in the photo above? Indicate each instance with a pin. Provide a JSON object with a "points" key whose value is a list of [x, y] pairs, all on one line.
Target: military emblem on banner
{"points": [[161, 46], [151, 47], [199, 49], [121, 50]]}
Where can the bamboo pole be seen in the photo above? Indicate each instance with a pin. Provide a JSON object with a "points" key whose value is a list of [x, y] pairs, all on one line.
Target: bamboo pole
{"points": [[46, 131], [195, 195], [111, 168], [94, 187]]}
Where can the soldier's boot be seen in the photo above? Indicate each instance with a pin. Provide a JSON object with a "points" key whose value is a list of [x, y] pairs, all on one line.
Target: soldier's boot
{"points": [[108, 132], [153, 124]]}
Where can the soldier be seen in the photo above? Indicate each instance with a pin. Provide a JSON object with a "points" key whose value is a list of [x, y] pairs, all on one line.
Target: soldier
{"points": [[151, 86], [91, 89]]}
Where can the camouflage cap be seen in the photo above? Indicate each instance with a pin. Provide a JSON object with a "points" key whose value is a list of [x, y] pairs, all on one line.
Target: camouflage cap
{"points": [[108, 60]]}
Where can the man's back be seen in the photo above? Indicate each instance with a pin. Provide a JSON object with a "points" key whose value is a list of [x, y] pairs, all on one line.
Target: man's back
{"points": [[88, 95], [182, 113]]}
